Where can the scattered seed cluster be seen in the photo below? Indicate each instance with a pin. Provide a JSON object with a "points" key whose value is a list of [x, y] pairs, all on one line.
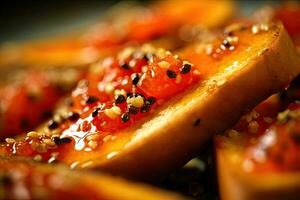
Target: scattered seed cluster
{"points": [[108, 100]]}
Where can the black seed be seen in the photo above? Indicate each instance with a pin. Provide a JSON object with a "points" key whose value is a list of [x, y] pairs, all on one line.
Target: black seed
{"points": [[145, 108], [186, 68], [73, 116], [129, 94], [135, 78], [24, 123], [151, 100], [125, 117], [133, 110], [65, 140], [197, 122], [91, 99], [226, 43], [52, 124], [120, 99], [171, 74], [59, 141], [95, 112], [124, 65], [136, 95]]}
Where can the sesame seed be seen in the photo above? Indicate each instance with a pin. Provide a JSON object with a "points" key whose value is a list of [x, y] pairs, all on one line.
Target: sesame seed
{"points": [[109, 88], [59, 141], [113, 112], [161, 53], [171, 74], [186, 68], [120, 92], [253, 127], [72, 116], [127, 52], [151, 100], [137, 101], [95, 112], [164, 64], [92, 99], [226, 43], [10, 140], [93, 144], [32, 134], [135, 78], [133, 110], [124, 65], [49, 142], [145, 108], [38, 158], [125, 117], [52, 124]]}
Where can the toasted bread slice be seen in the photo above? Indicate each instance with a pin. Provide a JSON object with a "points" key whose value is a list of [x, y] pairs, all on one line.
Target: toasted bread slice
{"points": [[238, 78], [40, 181]]}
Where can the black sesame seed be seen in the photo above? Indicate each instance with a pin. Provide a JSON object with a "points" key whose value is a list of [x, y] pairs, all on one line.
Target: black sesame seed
{"points": [[151, 100], [52, 124], [95, 112], [197, 122], [59, 141], [73, 116], [125, 117], [120, 99], [129, 94], [65, 140], [186, 68], [226, 43], [124, 65], [171, 74], [141, 95], [91, 99], [133, 110], [145, 108], [135, 78]]}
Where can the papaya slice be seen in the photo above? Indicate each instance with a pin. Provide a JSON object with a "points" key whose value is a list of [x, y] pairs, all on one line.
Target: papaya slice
{"points": [[28, 98], [148, 110], [128, 24], [28, 180], [259, 157], [252, 160]]}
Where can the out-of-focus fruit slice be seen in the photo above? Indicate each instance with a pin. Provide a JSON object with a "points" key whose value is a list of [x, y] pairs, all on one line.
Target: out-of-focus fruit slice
{"points": [[29, 180]]}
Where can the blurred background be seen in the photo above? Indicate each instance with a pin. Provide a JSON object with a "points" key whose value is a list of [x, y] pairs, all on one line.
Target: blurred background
{"points": [[32, 19]]}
